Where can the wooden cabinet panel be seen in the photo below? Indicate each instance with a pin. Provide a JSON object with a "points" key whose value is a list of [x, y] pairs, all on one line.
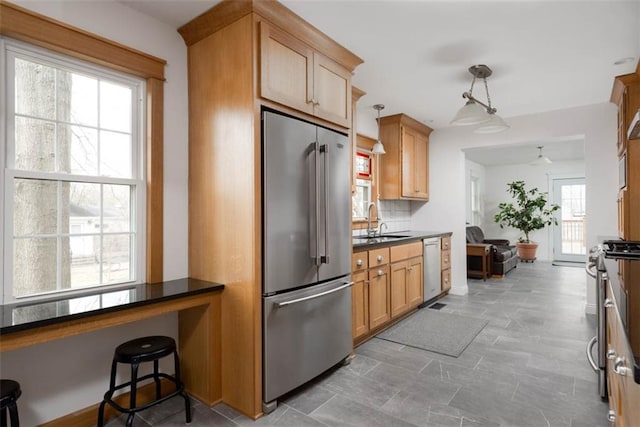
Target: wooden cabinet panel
{"points": [[378, 257], [446, 280], [624, 392], [446, 243], [332, 91], [286, 69], [623, 213], [359, 261], [360, 305], [445, 260], [415, 279], [293, 74], [379, 297], [399, 273], [404, 170], [401, 252]]}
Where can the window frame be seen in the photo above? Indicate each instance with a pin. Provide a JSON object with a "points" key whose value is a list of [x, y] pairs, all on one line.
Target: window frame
{"points": [[24, 25], [11, 51]]}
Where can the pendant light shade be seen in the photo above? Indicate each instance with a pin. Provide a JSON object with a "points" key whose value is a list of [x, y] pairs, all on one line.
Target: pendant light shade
{"points": [[378, 148], [495, 124], [471, 114], [477, 112], [541, 160]]}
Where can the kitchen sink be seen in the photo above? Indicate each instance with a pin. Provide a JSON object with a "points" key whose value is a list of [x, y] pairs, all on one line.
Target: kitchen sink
{"points": [[379, 239]]}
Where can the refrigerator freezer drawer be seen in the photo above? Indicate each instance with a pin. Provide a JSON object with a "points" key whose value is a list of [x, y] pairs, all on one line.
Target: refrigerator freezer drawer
{"points": [[305, 333]]}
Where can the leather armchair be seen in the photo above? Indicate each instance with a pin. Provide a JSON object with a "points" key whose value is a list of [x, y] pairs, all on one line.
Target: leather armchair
{"points": [[503, 256]]}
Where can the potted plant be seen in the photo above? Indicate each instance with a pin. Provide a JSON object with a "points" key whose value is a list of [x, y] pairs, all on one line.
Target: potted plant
{"points": [[529, 213]]}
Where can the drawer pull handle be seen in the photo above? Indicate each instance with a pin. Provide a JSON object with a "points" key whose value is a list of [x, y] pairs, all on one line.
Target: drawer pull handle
{"points": [[608, 303], [380, 258], [611, 416], [380, 273], [611, 354], [359, 263]]}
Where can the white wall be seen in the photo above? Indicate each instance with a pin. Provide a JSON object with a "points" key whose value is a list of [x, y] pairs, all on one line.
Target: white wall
{"points": [[63, 376], [497, 178], [447, 206]]}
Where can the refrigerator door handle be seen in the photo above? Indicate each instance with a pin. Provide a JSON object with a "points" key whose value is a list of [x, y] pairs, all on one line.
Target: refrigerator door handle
{"points": [[314, 240], [321, 294], [324, 259]]}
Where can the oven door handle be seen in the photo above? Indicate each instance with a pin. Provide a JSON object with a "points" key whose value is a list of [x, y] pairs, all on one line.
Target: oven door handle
{"points": [[589, 270], [590, 345]]}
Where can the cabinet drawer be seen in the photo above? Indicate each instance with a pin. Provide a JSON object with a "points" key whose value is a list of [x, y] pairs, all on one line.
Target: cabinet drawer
{"points": [[378, 257], [359, 261], [446, 280], [409, 250], [445, 261], [446, 243]]}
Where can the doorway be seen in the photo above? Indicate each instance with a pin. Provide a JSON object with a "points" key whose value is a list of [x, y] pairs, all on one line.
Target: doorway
{"points": [[569, 236]]}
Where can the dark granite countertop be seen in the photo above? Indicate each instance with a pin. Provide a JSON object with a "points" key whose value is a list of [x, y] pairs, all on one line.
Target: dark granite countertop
{"points": [[30, 315], [396, 238]]}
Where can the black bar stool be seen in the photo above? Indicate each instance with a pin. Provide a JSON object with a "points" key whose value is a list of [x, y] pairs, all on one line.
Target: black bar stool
{"points": [[9, 394], [134, 352]]}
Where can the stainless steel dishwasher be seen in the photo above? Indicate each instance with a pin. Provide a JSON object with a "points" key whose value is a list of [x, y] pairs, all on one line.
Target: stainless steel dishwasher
{"points": [[431, 254]]}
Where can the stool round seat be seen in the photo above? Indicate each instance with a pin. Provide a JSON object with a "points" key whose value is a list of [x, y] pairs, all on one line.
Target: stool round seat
{"points": [[133, 353], [145, 349], [9, 393]]}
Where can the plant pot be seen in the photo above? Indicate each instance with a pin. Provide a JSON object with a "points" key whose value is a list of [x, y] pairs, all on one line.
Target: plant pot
{"points": [[527, 251]]}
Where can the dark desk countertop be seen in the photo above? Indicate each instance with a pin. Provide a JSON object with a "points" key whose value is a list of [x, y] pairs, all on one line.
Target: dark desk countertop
{"points": [[24, 316], [410, 237]]}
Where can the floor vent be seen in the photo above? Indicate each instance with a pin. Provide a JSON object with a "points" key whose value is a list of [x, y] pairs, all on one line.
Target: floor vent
{"points": [[437, 306]]}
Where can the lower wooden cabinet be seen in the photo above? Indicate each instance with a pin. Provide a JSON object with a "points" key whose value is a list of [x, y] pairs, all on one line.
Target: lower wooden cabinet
{"points": [[387, 284], [624, 392]]}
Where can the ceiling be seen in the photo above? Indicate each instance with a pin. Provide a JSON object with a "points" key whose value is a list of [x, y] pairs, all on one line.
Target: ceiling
{"points": [[545, 55], [558, 149]]}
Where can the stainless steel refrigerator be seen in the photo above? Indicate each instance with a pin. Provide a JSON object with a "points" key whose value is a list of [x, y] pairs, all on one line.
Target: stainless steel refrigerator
{"points": [[306, 252]]}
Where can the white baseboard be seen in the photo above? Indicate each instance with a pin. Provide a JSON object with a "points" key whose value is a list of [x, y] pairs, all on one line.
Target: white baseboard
{"points": [[459, 290]]}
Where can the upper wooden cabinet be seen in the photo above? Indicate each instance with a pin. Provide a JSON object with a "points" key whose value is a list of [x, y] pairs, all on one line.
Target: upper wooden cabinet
{"points": [[404, 169], [626, 95], [293, 74]]}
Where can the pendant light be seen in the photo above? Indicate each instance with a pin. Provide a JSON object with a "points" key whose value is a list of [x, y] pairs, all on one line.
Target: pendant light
{"points": [[541, 160], [475, 112], [378, 148]]}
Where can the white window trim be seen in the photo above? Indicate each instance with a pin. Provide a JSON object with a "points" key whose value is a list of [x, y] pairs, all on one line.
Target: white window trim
{"points": [[138, 209]]}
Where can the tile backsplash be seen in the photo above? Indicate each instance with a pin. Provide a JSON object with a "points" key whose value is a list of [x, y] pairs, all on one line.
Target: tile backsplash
{"points": [[395, 213]]}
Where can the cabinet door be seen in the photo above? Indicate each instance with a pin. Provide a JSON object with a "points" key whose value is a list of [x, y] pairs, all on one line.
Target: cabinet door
{"points": [[399, 275], [415, 277], [331, 91], [286, 69], [622, 123], [360, 305], [379, 312], [622, 214], [409, 143], [421, 167]]}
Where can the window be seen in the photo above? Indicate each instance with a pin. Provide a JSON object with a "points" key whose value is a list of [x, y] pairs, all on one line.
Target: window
{"points": [[74, 194], [364, 172], [476, 216]]}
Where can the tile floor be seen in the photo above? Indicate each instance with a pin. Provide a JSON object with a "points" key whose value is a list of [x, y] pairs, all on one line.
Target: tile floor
{"points": [[526, 368]]}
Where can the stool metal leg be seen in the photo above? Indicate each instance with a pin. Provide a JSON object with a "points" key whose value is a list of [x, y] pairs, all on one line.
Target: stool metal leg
{"points": [[132, 393], [3, 417], [156, 378], [187, 401], [13, 414]]}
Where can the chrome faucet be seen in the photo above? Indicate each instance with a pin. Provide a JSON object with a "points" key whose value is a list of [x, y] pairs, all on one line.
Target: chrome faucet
{"points": [[371, 231]]}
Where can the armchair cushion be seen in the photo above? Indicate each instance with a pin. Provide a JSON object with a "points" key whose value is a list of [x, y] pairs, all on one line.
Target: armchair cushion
{"points": [[504, 256]]}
